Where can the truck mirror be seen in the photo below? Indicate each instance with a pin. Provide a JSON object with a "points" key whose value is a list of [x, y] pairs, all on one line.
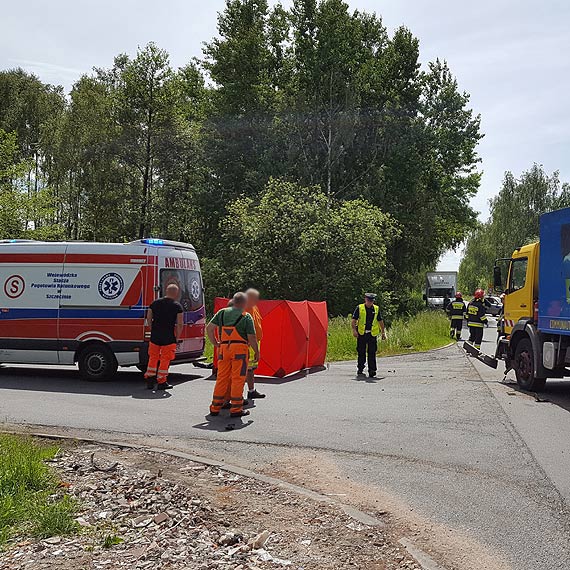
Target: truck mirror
{"points": [[425, 297], [497, 279]]}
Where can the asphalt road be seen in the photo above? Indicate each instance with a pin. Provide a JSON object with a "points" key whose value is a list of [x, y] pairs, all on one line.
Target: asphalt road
{"points": [[472, 469]]}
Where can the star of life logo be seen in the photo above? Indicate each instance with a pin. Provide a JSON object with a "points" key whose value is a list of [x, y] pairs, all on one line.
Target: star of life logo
{"points": [[195, 290], [111, 285]]}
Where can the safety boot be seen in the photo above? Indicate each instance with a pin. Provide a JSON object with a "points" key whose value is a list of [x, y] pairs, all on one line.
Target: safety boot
{"points": [[254, 394], [240, 414]]}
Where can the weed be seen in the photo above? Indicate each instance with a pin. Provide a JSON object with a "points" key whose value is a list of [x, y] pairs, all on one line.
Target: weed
{"points": [[29, 499], [111, 540], [55, 518]]}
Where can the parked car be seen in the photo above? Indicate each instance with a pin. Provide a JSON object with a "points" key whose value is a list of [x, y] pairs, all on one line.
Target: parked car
{"points": [[493, 305]]}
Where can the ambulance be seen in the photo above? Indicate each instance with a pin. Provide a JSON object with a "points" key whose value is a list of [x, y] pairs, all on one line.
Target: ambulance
{"points": [[85, 303]]}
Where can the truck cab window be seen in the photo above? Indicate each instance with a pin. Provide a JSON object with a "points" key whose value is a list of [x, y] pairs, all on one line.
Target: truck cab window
{"points": [[518, 274]]}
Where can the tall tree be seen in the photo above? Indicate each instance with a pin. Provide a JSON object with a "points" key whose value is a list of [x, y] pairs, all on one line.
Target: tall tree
{"points": [[242, 65], [514, 221]]}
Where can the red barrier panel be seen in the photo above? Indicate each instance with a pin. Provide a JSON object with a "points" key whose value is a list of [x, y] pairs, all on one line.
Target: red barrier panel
{"points": [[285, 338], [318, 333], [294, 336]]}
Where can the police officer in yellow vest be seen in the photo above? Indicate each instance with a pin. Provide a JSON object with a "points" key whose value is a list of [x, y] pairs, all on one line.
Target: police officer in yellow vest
{"points": [[367, 325]]}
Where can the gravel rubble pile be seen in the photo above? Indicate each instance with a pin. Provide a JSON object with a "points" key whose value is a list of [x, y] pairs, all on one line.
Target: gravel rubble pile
{"points": [[139, 510]]}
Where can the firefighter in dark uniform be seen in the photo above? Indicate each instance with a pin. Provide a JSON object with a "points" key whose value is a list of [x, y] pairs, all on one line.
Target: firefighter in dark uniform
{"points": [[367, 325], [456, 312], [477, 318]]}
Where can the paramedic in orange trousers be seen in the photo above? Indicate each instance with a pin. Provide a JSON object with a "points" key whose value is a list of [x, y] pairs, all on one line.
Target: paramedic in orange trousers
{"points": [[236, 334], [251, 308], [166, 322]]}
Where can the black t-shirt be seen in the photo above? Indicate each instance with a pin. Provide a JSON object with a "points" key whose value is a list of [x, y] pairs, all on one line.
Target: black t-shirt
{"points": [[369, 316], [164, 314]]}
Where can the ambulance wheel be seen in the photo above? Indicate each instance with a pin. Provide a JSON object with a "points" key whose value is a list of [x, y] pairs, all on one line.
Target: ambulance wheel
{"points": [[97, 362], [525, 368]]}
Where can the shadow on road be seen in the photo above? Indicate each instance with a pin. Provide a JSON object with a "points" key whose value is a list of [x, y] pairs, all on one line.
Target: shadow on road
{"points": [[556, 392], [368, 380], [125, 383], [278, 381], [223, 424], [291, 378]]}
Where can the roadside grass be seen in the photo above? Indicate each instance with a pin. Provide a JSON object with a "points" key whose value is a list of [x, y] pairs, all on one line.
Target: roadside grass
{"points": [[424, 331], [31, 503]]}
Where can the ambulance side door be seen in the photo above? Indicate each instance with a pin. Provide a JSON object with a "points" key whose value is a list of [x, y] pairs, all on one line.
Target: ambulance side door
{"points": [[102, 302]]}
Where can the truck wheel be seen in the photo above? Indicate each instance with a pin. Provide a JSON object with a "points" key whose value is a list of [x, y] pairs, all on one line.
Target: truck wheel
{"points": [[523, 365], [97, 362]]}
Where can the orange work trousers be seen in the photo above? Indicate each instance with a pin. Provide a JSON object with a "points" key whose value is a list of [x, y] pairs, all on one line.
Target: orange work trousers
{"points": [[232, 370], [163, 355]]}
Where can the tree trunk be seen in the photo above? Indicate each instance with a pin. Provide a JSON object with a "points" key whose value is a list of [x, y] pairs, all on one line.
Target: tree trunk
{"points": [[146, 177]]}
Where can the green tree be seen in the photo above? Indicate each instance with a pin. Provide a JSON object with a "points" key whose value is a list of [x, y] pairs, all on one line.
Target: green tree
{"points": [[12, 193], [514, 221], [242, 62], [293, 245], [32, 110], [145, 92]]}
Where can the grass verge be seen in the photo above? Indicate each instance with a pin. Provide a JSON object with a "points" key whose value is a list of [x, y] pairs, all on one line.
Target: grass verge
{"points": [[424, 331], [31, 501]]}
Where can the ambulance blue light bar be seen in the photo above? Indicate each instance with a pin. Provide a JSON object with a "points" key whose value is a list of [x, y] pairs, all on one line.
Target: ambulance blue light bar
{"points": [[153, 241]]}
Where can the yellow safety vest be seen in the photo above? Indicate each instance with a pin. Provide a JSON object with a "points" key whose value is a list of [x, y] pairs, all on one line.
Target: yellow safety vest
{"points": [[362, 320]]}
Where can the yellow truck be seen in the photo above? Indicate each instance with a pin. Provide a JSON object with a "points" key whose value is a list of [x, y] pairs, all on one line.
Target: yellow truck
{"points": [[534, 335]]}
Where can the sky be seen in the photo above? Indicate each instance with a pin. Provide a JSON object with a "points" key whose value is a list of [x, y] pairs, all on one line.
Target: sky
{"points": [[511, 56]]}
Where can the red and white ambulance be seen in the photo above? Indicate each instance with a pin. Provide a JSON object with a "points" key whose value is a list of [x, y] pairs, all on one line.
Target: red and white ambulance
{"points": [[85, 303]]}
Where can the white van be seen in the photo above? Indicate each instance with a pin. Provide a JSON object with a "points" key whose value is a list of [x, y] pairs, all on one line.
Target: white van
{"points": [[85, 303]]}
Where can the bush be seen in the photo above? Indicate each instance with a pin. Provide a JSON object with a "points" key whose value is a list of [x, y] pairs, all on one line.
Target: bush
{"points": [[294, 243]]}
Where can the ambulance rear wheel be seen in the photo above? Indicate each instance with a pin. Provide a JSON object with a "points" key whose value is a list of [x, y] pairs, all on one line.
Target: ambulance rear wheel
{"points": [[97, 362]]}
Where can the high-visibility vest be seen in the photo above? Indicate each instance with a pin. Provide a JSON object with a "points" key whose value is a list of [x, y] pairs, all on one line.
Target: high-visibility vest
{"points": [[456, 310], [375, 331], [476, 314]]}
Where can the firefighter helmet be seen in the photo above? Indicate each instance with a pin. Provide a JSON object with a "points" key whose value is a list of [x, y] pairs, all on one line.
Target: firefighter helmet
{"points": [[479, 294], [458, 295]]}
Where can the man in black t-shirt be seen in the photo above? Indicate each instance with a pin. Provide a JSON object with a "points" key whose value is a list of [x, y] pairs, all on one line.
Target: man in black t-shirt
{"points": [[367, 324], [166, 322]]}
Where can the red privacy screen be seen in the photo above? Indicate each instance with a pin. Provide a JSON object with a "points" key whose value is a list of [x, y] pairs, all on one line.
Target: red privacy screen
{"points": [[294, 336]]}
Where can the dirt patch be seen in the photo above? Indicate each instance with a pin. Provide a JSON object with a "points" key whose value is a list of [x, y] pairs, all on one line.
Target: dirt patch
{"points": [[143, 510], [453, 550]]}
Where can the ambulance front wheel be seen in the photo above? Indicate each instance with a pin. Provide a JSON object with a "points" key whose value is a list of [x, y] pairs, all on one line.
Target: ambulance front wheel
{"points": [[97, 362]]}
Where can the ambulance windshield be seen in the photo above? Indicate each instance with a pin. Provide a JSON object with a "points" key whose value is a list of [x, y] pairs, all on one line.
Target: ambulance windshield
{"points": [[190, 283]]}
